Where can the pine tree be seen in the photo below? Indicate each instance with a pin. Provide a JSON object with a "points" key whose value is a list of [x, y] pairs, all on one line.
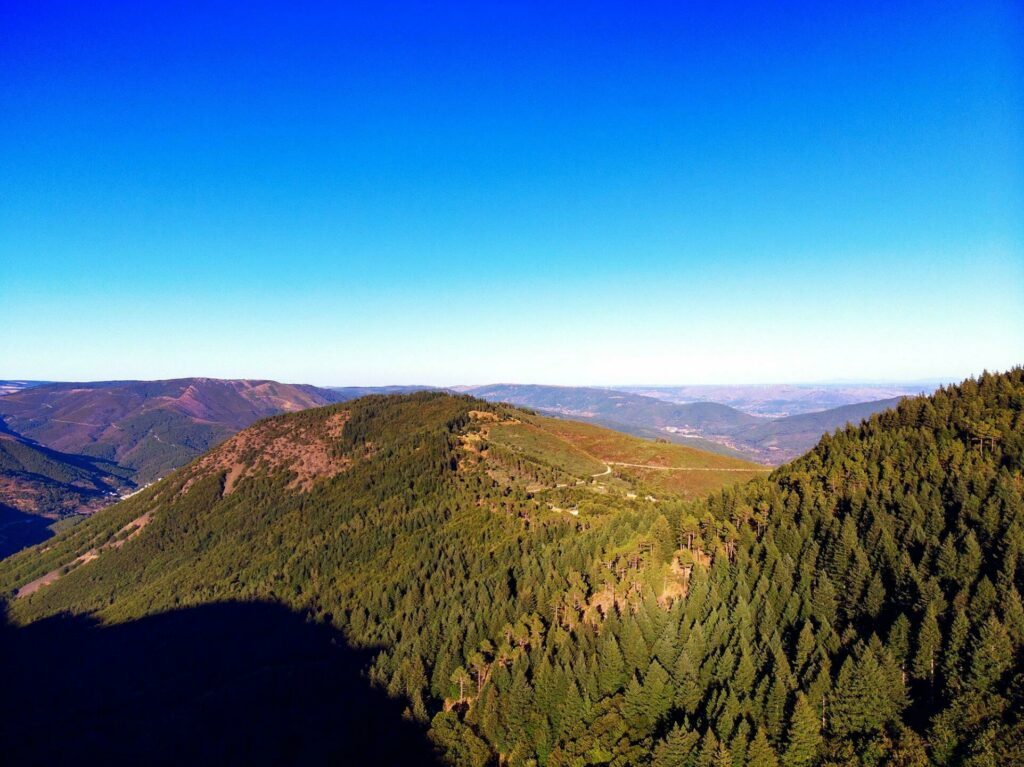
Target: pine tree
{"points": [[803, 738], [739, 743], [761, 753], [775, 708], [634, 649], [993, 655], [723, 758], [929, 642], [953, 656], [677, 748], [708, 753], [874, 599], [572, 711], [898, 642], [636, 708], [657, 691], [688, 690], [823, 599], [462, 680], [611, 667], [664, 542], [804, 647], [1013, 615]]}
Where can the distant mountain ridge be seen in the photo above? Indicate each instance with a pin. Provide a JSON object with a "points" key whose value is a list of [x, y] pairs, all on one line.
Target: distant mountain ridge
{"points": [[767, 440], [150, 427], [781, 400], [72, 448], [540, 591]]}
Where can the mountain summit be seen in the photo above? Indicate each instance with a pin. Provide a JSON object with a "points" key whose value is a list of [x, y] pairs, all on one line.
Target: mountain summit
{"points": [[530, 595]]}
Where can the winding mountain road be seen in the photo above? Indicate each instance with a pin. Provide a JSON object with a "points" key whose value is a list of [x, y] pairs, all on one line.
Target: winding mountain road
{"points": [[676, 468]]}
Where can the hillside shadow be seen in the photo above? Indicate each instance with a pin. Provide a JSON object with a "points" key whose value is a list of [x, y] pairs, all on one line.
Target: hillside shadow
{"points": [[19, 530], [220, 684]]}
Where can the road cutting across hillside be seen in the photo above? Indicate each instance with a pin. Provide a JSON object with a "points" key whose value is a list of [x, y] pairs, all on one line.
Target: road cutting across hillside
{"points": [[675, 468]]}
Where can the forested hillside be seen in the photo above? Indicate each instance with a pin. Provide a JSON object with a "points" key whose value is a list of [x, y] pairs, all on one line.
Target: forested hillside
{"points": [[860, 606], [149, 427], [68, 449]]}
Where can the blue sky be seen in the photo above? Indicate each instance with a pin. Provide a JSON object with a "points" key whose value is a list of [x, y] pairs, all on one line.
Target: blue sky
{"points": [[603, 193]]}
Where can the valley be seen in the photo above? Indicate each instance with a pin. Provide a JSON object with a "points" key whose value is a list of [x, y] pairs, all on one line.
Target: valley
{"points": [[706, 425], [69, 449], [525, 597], [82, 446], [459, 384]]}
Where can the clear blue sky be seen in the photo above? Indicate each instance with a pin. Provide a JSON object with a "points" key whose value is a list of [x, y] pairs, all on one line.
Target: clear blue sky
{"points": [[683, 193]]}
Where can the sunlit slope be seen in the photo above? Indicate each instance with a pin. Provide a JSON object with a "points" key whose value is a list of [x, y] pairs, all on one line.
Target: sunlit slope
{"points": [[601, 454], [533, 613], [558, 464]]}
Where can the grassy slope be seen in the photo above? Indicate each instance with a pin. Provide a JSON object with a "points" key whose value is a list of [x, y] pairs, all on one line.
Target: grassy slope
{"points": [[674, 468], [413, 553], [577, 449]]}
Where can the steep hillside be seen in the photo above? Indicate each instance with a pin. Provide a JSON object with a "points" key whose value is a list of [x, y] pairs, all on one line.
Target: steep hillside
{"points": [[39, 485], [69, 449], [150, 427], [860, 606]]}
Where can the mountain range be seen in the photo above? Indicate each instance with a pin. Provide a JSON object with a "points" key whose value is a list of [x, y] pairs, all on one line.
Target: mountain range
{"points": [[780, 400], [509, 588], [707, 425], [67, 449], [71, 448]]}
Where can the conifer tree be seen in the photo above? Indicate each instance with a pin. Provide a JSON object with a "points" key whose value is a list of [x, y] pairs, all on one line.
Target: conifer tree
{"points": [[677, 749], [803, 737], [929, 641], [760, 753], [610, 670], [992, 656], [708, 753]]}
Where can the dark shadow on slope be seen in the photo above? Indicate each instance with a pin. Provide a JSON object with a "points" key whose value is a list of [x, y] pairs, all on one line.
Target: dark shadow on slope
{"points": [[19, 530], [220, 684]]}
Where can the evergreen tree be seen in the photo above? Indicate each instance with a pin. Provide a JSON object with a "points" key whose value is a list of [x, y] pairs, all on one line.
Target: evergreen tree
{"points": [[929, 642], [760, 753], [707, 756], [992, 656], [677, 750], [803, 737], [611, 666]]}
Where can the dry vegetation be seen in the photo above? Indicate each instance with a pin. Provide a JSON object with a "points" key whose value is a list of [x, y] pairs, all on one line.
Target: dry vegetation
{"points": [[273, 446]]}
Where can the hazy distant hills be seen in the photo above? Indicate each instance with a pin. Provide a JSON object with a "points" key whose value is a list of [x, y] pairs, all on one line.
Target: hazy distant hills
{"points": [[9, 387], [619, 406], [768, 440], [150, 427], [779, 400], [72, 448], [783, 435], [533, 590], [344, 393]]}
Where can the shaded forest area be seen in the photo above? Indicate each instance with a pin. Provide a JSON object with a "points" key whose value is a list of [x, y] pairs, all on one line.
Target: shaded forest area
{"points": [[858, 607], [226, 683]]}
